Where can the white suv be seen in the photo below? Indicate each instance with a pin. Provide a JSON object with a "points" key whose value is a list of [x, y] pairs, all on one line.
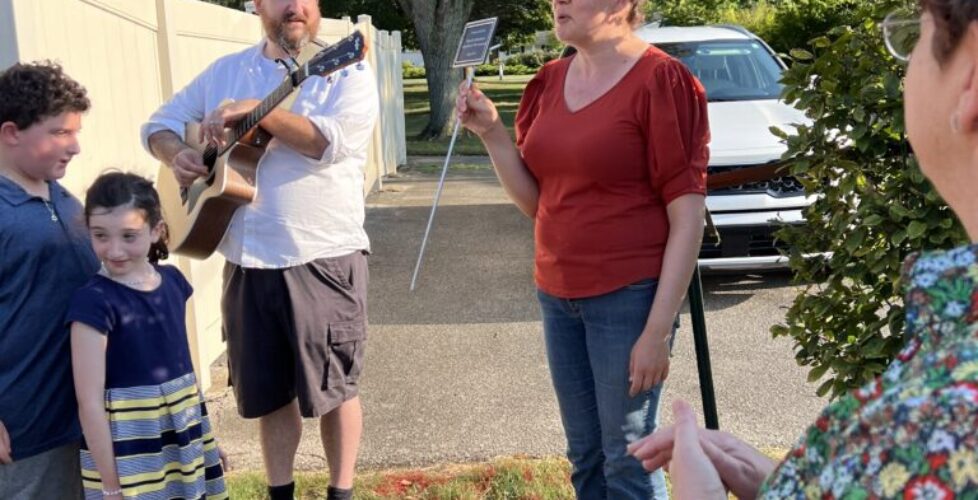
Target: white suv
{"points": [[740, 73]]}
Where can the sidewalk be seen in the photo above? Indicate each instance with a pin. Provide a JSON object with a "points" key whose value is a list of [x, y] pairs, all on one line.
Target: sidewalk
{"points": [[456, 371]]}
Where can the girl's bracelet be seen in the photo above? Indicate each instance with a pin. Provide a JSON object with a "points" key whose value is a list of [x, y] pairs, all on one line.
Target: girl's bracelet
{"points": [[112, 493]]}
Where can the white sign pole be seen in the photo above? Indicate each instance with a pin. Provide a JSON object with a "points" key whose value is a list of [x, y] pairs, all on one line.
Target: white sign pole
{"points": [[472, 50], [441, 184]]}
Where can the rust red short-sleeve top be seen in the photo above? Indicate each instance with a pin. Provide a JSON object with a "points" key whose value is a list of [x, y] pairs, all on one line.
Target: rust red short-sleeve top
{"points": [[607, 171]]}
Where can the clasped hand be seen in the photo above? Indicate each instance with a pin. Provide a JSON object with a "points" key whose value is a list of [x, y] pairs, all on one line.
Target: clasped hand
{"points": [[703, 464]]}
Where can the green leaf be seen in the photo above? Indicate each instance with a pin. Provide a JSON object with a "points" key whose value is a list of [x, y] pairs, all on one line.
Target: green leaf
{"points": [[916, 229], [873, 220], [855, 240], [898, 237], [821, 42], [801, 55], [825, 387], [815, 374], [778, 132]]}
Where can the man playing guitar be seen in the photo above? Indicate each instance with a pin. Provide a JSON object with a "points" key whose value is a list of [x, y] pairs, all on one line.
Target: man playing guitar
{"points": [[295, 282]]}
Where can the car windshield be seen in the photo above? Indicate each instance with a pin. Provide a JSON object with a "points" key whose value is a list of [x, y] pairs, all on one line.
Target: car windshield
{"points": [[734, 70]]}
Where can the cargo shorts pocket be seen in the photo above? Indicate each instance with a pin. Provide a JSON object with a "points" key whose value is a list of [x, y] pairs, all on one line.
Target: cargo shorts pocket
{"points": [[332, 271], [346, 345]]}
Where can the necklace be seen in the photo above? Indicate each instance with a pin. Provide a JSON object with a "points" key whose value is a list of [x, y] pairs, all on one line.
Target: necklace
{"points": [[149, 277], [54, 215]]}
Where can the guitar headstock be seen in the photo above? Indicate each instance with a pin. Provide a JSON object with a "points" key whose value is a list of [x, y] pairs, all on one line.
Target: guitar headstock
{"points": [[347, 51]]}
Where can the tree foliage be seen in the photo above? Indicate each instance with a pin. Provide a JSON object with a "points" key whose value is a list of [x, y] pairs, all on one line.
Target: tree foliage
{"points": [[233, 4], [874, 205], [784, 24], [438, 27], [518, 19], [385, 14]]}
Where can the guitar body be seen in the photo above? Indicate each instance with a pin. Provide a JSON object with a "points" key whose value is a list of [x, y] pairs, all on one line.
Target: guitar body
{"points": [[197, 226]]}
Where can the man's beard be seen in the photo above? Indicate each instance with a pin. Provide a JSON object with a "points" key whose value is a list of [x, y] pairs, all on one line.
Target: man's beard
{"points": [[293, 45]]}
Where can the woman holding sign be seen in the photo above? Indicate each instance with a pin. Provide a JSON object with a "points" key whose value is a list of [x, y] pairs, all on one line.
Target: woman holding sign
{"points": [[610, 161]]}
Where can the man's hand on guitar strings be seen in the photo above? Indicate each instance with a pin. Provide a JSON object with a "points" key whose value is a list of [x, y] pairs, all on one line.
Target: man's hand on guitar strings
{"points": [[213, 128], [188, 165]]}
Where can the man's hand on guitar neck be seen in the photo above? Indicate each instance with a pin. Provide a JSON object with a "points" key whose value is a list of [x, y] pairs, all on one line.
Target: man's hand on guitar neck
{"points": [[186, 163], [212, 129], [295, 131]]}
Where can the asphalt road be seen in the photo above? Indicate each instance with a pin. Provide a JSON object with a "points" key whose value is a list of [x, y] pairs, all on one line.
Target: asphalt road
{"points": [[456, 371]]}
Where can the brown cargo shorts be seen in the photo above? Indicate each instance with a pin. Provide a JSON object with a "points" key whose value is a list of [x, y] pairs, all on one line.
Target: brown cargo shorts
{"points": [[297, 332]]}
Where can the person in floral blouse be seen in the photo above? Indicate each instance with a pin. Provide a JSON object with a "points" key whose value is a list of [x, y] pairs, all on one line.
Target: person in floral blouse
{"points": [[913, 432]]}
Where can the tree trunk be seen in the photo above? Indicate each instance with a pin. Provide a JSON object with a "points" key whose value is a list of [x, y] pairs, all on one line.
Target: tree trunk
{"points": [[438, 25]]}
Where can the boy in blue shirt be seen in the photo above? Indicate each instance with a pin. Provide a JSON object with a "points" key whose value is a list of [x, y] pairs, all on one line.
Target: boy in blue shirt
{"points": [[45, 255]]}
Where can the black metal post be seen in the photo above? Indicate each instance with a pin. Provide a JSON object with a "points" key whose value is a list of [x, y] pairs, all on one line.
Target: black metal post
{"points": [[702, 347]]}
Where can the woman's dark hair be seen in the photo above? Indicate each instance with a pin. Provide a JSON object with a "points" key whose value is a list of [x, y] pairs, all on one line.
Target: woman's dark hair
{"points": [[32, 92], [951, 21], [116, 189]]}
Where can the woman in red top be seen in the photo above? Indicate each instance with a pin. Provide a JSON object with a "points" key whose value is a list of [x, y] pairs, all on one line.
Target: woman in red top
{"points": [[610, 161]]}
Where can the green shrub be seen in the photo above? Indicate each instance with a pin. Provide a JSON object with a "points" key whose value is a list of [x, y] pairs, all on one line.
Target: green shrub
{"points": [[874, 205], [690, 12], [532, 59], [520, 69], [783, 24], [550, 55], [799, 21], [409, 70], [509, 69], [487, 70]]}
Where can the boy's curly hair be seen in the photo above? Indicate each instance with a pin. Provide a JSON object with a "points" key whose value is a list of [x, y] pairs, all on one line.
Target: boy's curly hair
{"points": [[32, 92]]}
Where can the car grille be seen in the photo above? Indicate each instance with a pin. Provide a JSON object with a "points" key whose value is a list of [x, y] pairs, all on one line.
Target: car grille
{"points": [[778, 187], [742, 241]]}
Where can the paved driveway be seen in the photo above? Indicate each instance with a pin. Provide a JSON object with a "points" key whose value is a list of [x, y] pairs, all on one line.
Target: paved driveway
{"points": [[456, 370]]}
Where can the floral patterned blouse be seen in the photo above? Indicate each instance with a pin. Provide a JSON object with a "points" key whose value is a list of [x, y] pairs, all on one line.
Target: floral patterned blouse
{"points": [[913, 432]]}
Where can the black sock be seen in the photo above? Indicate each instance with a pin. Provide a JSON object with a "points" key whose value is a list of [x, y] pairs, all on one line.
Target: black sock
{"points": [[334, 493], [284, 492]]}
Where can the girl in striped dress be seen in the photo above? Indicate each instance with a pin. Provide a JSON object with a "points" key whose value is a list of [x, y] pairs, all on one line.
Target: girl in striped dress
{"points": [[147, 434]]}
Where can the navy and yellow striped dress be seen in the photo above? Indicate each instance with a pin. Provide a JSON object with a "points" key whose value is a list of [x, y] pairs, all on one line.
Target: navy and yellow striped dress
{"points": [[161, 434]]}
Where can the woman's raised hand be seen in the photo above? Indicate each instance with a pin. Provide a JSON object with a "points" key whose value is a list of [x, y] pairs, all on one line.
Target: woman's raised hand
{"points": [[476, 111]]}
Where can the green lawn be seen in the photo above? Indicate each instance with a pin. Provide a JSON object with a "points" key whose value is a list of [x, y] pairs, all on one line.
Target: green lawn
{"points": [[504, 478], [506, 94], [515, 478]]}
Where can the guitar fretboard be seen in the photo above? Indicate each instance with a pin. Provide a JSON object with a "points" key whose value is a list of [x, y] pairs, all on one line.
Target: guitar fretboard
{"points": [[250, 120]]}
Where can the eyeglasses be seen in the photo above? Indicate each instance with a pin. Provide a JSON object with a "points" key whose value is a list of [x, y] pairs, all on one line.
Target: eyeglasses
{"points": [[900, 34]]}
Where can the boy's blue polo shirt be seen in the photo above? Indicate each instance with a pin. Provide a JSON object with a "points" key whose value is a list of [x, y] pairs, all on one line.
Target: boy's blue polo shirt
{"points": [[42, 262]]}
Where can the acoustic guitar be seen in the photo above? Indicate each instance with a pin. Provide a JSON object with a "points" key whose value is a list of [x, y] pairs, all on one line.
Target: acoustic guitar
{"points": [[198, 216]]}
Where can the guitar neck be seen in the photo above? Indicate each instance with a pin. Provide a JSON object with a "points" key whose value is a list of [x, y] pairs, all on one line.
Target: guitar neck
{"points": [[266, 106], [211, 153]]}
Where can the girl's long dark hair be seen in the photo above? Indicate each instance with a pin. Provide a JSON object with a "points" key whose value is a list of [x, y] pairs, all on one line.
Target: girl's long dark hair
{"points": [[116, 189]]}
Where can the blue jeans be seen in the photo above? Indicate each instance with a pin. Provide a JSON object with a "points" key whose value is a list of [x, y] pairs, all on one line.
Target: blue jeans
{"points": [[589, 345]]}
